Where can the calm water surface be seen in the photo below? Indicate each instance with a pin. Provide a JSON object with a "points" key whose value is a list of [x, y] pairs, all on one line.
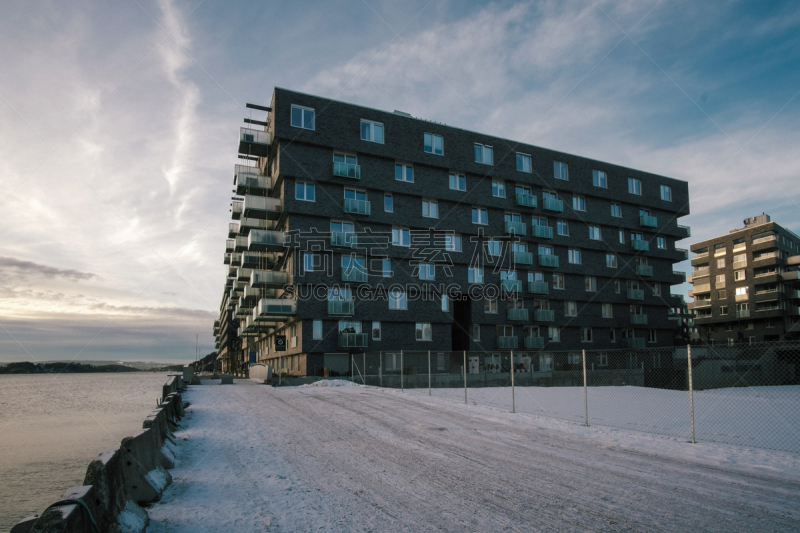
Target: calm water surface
{"points": [[52, 426]]}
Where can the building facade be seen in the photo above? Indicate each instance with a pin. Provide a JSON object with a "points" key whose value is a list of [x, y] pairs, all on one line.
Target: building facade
{"points": [[363, 230], [745, 284]]}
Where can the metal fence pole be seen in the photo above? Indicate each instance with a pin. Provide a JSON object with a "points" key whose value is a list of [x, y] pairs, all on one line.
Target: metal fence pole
{"points": [[429, 372], [364, 370], [380, 368], [585, 394], [280, 371], [465, 377], [401, 370], [352, 374], [691, 391], [513, 404]]}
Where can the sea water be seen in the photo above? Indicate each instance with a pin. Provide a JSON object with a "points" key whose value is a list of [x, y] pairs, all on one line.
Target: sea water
{"points": [[53, 425]]}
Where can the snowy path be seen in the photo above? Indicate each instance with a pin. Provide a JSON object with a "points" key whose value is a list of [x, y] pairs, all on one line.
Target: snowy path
{"points": [[360, 459]]}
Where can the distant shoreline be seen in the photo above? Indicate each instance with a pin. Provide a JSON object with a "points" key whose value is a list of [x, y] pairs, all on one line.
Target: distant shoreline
{"points": [[76, 368]]}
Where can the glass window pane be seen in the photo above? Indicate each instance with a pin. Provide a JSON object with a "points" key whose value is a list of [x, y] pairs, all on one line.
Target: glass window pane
{"points": [[308, 119], [378, 132], [438, 145], [428, 143], [365, 131], [478, 153], [297, 117]]}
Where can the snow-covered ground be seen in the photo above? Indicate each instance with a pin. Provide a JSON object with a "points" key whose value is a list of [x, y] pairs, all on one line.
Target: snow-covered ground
{"points": [[353, 458]]}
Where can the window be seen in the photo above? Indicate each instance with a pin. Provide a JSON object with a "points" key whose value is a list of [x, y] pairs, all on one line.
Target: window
{"points": [[311, 262], [304, 190], [479, 216], [434, 144], [558, 281], [343, 227], [611, 261], [590, 283], [656, 289], [560, 171], [347, 166], [302, 117], [741, 293], [574, 256], [386, 268], [404, 172], [452, 243], [617, 286], [723, 310], [371, 131], [424, 332], [545, 250], [445, 303], [354, 194], [666, 195], [594, 233], [427, 271], [616, 210], [493, 248], [651, 335], [562, 227], [524, 163], [400, 237], [739, 275], [458, 182], [352, 264], [634, 186], [388, 203], [498, 188], [430, 209], [721, 263], [622, 236], [483, 154], [586, 334], [376, 331], [578, 203], [476, 332], [316, 333], [722, 295], [570, 308], [739, 261], [599, 179], [607, 311], [554, 334], [661, 243], [398, 299], [490, 305], [475, 275]]}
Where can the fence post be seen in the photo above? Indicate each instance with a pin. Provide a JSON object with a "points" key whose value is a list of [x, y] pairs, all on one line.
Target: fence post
{"points": [[401, 371], [280, 371], [513, 404], [364, 370], [429, 372], [691, 390], [465, 377], [380, 368], [352, 374], [585, 394]]}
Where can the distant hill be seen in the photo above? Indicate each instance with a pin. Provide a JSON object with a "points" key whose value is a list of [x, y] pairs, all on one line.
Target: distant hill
{"points": [[62, 368], [207, 363]]}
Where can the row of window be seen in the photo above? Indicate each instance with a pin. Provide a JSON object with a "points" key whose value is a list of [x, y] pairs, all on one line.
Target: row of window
{"points": [[372, 131]]}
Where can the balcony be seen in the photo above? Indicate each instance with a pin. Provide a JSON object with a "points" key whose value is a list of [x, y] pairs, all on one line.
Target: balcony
{"points": [[744, 313], [354, 275], [254, 142], [543, 232], [262, 207], [533, 343], [640, 245], [243, 274], [230, 245], [683, 253], [236, 209], [697, 304], [506, 343], [227, 259], [346, 170], [348, 240], [353, 340], [544, 315], [248, 224], [699, 272], [793, 311], [633, 342], [794, 275], [526, 200], [793, 294], [739, 264], [648, 221], [552, 204], [249, 180], [681, 275], [272, 241], [233, 230], [518, 314], [635, 294], [357, 207], [511, 285], [639, 319], [523, 258], [793, 260], [686, 230], [268, 278], [768, 238], [341, 307], [644, 270], [258, 260], [275, 307], [742, 297], [705, 287], [548, 261], [538, 287], [252, 294], [241, 243], [515, 228]]}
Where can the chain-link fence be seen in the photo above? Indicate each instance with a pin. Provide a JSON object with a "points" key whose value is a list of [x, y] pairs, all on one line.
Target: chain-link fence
{"points": [[738, 394]]}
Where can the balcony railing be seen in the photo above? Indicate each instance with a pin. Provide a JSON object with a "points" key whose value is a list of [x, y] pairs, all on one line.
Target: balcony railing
{"points": [[527, 200], [544, 315], [705, 287], [523, 258], [700, 272], [681, 275], [518, 314], [259, 240], [635, 294], [648, 221], [353, 340], [233, 229], [236, 209], [276, 307], [644, 270], [506, 343], [249, 179], [243, 274], [230, 245], [543, 232], [347, 240], [552, 204], [517, 228], [341, 307], [641, 245], [254, 142], [247, 224], [769, 238], [683, 252], [354, 275], [739, 264], [346, 170], [633, 342], [742, 297], [533, 343], [269, 278], [686, 229], [548, 261], [241, 243], [639, 319], [262, 207], [357, 207], [744, 313], [538, 287], [793, 275], [793, 294], [511, 285], [794, 311]]}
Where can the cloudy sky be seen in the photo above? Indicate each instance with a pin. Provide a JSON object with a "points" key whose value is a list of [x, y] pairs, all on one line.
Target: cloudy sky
{"points": [[118, 129]]}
